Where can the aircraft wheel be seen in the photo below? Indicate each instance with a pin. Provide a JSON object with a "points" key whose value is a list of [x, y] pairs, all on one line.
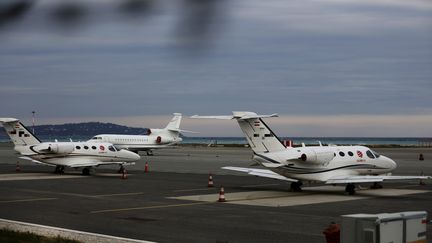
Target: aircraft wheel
{"points": [[296, 186], [86, 171], [350, 189], [376, 185], [149, 153], [59, 169]]}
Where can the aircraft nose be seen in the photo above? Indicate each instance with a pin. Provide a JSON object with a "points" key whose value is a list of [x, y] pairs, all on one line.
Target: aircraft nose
{"points": [[131, 156], [391, 163], [135, 156]]}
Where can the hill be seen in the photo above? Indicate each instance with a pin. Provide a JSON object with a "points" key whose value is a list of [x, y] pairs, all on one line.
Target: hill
{"points": [[87, 129]]}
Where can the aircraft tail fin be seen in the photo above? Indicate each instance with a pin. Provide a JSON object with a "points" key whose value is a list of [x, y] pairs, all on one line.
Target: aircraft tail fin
{"points": [[174, 124], [18, 133], [259, 136]]}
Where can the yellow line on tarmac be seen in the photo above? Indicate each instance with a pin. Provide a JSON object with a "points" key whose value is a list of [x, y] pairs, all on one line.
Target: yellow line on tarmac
{"points": [[29, 200], [150, 207]]}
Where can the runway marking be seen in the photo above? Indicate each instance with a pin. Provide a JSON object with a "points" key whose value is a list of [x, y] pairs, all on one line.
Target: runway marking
{"points": [[29, 200], [310, 195], [150, 207], [198, 189], [82, 195], [118, 194], [261, 185], [35, 176]]}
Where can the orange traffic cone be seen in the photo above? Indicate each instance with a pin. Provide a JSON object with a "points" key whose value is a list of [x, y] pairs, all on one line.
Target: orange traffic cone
{"points": [[146, 167], [124, 174], [222, 195], [18, 167], [210, 181]]}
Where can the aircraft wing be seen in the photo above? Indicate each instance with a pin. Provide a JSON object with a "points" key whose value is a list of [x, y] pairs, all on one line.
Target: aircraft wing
{"points": [[260, 173], [378, 178], [89, 163], [242, 117], [35, 161]]}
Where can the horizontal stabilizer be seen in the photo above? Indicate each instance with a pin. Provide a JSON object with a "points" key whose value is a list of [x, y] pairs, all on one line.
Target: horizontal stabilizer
{"points": [[364, 179], [259, 172], [237, 115], [8, 120], [180, 130]]}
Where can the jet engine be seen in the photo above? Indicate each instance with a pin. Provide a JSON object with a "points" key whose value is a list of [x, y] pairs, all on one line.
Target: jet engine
{"points": [[56, 148], [163, 140], [316, 156]]}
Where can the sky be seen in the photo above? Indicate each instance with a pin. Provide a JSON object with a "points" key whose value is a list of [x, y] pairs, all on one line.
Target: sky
{"points": [[327, 67]]}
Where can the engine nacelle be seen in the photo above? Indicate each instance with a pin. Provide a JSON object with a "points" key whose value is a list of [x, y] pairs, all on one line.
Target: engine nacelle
{"points": [[163, 140], [56, 148], [316, 156]]}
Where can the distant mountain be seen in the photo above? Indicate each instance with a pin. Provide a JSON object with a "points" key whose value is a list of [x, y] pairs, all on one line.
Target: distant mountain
{"points": [[87, 129]]}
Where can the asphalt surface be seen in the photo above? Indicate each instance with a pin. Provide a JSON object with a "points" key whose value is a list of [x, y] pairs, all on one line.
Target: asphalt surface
{"points": [[142, 206]]}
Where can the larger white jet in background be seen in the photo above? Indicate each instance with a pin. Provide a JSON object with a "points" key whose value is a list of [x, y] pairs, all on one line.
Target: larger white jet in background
{"points": [[154, 139], [329, 164], [64, 154]]}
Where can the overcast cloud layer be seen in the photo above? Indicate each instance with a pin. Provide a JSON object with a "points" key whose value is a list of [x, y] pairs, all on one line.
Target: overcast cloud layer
{"points": [[323, 62]]}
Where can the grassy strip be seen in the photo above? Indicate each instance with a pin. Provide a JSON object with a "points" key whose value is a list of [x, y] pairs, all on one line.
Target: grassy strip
{"points": [[10, 236]]}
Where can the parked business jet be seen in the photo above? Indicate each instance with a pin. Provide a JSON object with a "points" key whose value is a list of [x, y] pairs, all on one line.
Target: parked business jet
{"points": [[329, 164], [154, 139], [64, 154]]}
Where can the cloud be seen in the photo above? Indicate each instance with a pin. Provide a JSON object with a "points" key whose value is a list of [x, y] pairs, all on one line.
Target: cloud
{"points": [[305, 58]]}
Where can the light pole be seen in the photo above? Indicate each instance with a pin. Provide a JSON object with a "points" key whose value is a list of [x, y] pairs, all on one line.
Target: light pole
{"points": [[33, 116]]}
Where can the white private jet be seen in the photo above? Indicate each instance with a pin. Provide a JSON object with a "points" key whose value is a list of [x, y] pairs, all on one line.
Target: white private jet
{"points": [[154, 139], [329, 164], [64, 154]]}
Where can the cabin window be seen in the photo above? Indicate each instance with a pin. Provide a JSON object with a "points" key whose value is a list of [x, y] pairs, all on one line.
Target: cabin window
{"points": [[86, 147], [111, 148], [93, 147], [350, 153], [268, 135], [370, 155], [77, 147], [342, 154]]}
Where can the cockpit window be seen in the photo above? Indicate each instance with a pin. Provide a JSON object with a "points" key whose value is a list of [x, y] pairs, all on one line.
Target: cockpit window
{"points": [[111, 148], [370, 155], [376, 154], [96, 138]]}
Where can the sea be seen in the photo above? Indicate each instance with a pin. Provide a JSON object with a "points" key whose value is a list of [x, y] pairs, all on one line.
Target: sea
{"points": [[395, 141]]}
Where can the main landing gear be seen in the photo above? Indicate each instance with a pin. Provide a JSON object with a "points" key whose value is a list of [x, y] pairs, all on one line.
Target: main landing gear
{"points": [[86, 171], [350, 189], [149, 153], [121, 169], [59, 169], [296, 186]]}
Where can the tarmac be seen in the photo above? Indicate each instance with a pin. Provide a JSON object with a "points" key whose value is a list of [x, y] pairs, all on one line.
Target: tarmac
{"points": [[172, 203]]}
